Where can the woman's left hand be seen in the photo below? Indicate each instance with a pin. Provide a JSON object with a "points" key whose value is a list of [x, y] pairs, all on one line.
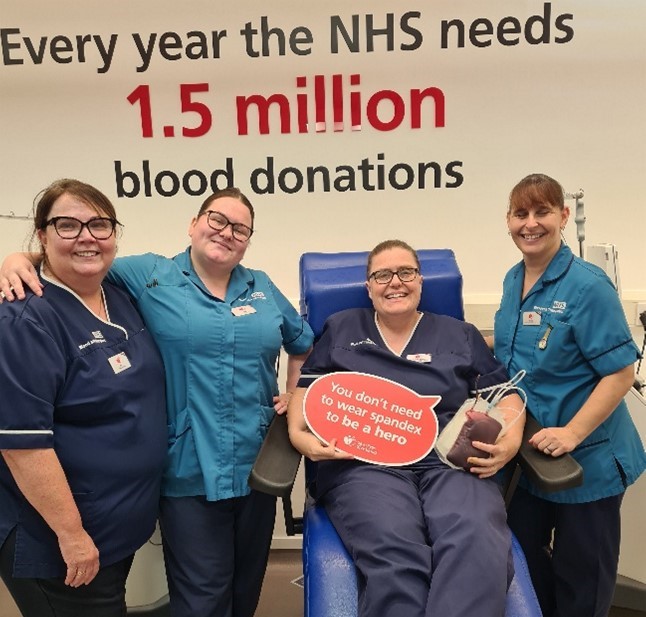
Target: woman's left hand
{"points": [[500, 454], [281, 401], [555, 440]]}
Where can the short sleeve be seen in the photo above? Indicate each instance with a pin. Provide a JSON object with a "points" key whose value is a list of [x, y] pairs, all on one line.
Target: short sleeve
{"points": [[132, 273], [487, 371], [319, 362], [601, 330], [297, 334], [33, 370]]}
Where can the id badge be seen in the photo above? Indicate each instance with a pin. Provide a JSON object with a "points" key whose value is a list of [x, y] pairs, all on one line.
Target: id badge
{"points": [[531, 318], [423, 358], [119, 363], [246, 309]]}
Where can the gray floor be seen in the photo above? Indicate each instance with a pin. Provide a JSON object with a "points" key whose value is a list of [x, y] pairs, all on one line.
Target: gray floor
{"points": [[280, 596]]}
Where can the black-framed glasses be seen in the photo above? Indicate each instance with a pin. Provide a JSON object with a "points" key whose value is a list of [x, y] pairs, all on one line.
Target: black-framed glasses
{"points": [[405, 275], [216, 220], [69, 228]]}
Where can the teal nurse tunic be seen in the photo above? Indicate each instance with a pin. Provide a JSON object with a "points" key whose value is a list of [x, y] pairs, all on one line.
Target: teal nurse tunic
{"points": [[568, 333], [220, 358]]}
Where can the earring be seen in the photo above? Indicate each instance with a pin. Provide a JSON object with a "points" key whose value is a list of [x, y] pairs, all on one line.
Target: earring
{"points": [[509, 233]]}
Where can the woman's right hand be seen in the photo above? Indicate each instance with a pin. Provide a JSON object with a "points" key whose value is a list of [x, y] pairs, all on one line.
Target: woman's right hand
{"points": [[315, 450], [81, 557], [16, 272], [303, 439]]}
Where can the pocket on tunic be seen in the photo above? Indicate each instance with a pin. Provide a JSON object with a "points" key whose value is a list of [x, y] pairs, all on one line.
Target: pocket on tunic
{"points": [[555, 341], [267, 413], [89, 510], [182, 459]]}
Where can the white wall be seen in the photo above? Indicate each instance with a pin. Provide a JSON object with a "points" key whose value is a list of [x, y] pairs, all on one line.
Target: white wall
{"points": [[571, 109]]}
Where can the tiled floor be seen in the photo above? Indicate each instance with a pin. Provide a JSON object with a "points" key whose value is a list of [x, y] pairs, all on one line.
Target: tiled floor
{"points": [[280, 596]]}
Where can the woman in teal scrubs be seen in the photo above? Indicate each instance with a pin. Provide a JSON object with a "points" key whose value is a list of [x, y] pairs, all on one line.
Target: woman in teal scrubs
{"points": [[561, 320]]}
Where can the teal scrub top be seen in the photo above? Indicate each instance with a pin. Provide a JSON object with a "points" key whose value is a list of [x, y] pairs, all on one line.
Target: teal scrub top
{"points": [[567, 333], [220, 364]]}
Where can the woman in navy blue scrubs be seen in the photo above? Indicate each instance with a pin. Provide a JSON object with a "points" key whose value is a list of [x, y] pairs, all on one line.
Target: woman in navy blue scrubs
{"points": [[82, 420], [561, 320], [426, 539]]}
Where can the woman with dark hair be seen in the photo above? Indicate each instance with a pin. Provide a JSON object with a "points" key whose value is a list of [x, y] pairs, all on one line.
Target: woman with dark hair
{"points": [[82, 420]]}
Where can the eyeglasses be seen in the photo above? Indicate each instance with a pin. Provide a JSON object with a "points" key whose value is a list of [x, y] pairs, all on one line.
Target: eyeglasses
{"points": [[219, 222], [69, 228], [405, 275]]}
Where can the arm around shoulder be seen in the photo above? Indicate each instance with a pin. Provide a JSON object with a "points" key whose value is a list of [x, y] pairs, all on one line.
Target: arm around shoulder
{"points": [[17, 271]]}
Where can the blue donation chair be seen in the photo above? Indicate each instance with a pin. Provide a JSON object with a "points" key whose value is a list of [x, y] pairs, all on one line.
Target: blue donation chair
{"points": [[331, 282]]}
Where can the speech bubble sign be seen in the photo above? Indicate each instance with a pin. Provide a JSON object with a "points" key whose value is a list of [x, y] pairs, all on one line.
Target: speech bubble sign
{"points": [[374, 419]]}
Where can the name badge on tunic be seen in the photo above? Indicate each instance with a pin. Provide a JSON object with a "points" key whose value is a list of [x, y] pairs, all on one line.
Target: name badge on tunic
{"points": [[119, 363], [531, 318], [246, 309], [424, 358]]}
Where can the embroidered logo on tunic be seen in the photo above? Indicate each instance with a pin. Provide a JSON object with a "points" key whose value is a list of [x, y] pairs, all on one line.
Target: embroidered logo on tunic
{"points": [[256, 295], [364, 342], [98, 338], [558, 306]]}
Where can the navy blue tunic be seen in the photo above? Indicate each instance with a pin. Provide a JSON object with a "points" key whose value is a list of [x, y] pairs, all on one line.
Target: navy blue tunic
{"points": [[93, 391]]}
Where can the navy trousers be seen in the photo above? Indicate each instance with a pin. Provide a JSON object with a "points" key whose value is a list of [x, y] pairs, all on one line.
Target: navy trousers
{"points": [[216, 553], [104, 596], [428, 542], [572, 551]]}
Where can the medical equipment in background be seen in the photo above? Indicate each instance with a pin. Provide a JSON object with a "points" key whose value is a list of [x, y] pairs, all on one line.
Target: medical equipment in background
{"points": [[607, 258], [603, 255], [579, 217], [640, 383]]}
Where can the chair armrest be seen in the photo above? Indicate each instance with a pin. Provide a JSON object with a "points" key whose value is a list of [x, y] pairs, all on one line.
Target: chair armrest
{"points": [[277, 462], [547, 473]]}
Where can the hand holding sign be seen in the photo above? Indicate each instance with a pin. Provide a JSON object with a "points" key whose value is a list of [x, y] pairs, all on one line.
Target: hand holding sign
{"points": [[374, 419]]}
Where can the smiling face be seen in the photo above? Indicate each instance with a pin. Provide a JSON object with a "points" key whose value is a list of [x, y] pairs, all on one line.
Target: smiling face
{"points": [[219, 249], [394, 298], [536, 229], [80, 263], [537, 214]]}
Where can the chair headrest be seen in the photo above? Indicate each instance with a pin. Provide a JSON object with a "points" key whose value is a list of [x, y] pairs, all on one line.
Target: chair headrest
{"points": [[332, 282]]}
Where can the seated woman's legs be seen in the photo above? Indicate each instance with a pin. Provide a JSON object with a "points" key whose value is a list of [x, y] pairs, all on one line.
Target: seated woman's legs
{"points": [[471, 542], [377, 513]]}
